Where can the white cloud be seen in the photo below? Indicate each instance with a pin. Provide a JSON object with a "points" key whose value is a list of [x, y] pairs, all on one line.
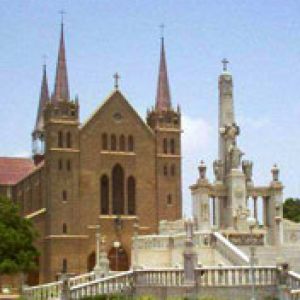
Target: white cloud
{"points": [[196, 136], [196, 144]]}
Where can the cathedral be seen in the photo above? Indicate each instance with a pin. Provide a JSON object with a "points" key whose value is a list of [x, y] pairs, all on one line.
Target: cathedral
{"points": [[112, 173]]}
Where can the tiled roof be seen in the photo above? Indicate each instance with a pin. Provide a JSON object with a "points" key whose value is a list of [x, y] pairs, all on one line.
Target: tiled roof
{"points": [[13, 169]]}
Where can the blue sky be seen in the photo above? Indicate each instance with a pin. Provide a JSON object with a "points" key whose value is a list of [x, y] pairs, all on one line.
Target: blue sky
{"points": [[261, 39]]}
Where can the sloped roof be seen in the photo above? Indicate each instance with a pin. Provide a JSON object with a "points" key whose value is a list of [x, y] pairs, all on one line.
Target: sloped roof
{"points": [[109, 98], [13, 169]]}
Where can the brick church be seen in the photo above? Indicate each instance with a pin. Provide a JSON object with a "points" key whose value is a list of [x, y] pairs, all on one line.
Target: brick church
{"points": [[114, 170]]}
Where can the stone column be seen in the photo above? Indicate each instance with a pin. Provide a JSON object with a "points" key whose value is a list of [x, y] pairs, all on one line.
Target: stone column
{"points": [[189, 255], [213, 199], [200, 199], [275, 209], [255, 208]]}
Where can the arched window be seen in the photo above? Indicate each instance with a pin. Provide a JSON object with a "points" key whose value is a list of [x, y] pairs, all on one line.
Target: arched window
{"points": [[60, 164], [69, 140], [169, 199], [65, 265], [64, 228], [131, 195], [122, 143], [130, 144], [104, 195], [118, 190], [60, 139], [113, 142], [69, 165], [165, 146], [64, 195], [104, 141], [165, 170], [172, 146], [173, 170]]}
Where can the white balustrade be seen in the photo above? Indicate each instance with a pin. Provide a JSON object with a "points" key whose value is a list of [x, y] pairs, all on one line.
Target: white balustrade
{"points": [[108, 285], [233, 276], [236, 276], [44, 291]]}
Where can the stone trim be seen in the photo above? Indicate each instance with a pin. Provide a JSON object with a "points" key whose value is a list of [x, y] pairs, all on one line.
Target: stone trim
{"points": [[66, 236], [65, 150], [67, 122], [168, 156], [123, 217], [36, 213], [111, 152], [165, 129]]}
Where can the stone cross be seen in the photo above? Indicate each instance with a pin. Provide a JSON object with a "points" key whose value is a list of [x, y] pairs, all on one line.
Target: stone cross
{"points": [[225, 62], [116, 77], [62, 13], [162, 29]]}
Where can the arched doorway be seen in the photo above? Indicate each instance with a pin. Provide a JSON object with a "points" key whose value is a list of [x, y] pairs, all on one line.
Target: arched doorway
{"points": [[34, 276], [118, 259], [91, 261]]}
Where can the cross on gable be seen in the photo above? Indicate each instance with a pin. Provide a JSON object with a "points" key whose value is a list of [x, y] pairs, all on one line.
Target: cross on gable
{"points": [[116, 77]]}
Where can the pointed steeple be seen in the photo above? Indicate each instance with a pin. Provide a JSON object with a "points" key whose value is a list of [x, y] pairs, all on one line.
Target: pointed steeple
{"points": [[61, 88], [163, 98], [44, 98]]}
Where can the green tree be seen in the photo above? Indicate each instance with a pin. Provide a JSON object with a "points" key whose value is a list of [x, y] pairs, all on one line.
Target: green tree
{"points": [[17, 235], [291, 209]]}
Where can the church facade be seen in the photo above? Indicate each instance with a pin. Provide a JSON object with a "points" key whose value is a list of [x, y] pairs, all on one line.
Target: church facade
{"points": [[115, 170]]}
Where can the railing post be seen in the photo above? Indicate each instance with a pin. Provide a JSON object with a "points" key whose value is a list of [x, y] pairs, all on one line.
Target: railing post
{"points": [[282, 278]]}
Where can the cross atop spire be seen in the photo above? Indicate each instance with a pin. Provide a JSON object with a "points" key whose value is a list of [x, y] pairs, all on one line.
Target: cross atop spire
{"points": [[225, 62], [162, 30], [61, 88], [163, 99], [62, 13]]}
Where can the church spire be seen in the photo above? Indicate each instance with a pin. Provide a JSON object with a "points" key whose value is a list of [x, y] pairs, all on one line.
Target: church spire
{"points": [[44, 98], [163, 98], [61, 88]]}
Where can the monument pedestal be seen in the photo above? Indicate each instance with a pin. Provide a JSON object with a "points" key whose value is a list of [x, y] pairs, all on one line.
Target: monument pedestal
{"points": [[236, 182]]}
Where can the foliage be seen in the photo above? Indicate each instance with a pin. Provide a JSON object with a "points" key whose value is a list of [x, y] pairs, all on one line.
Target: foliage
{"points": [[291, 209], [17, 235]]}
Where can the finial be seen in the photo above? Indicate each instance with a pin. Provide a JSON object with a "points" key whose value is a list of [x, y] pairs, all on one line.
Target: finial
{"points": [[62, 13], [116, 77], [275, 173], [162, 30], [225, 62]]}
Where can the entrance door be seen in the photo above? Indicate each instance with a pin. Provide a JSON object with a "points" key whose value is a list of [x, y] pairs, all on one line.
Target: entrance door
{"points": [[118, 259], [33, 276], [91, 261]]}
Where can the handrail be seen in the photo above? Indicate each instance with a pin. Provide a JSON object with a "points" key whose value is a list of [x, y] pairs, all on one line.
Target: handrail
{"points": [[104, 279], [226, 248]]}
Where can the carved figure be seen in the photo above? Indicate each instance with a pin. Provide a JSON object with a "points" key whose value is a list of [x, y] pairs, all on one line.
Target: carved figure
{"points": [[218, 169], [235, 156], [247, 169]]}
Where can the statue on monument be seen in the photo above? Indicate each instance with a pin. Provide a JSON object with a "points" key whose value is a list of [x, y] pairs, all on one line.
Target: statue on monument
{"points": [[235, 156], [247, 167], [218, 169]]}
